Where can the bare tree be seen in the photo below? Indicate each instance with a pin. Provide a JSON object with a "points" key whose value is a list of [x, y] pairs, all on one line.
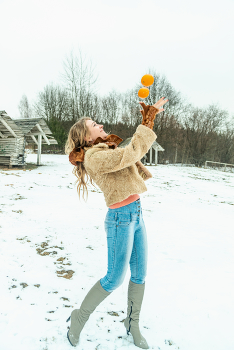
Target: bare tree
{"points": [[111, 108], [53, 103], [24, 108], [130, 108], [79, 78], [200, 126], [187, 134], [224, 151]]}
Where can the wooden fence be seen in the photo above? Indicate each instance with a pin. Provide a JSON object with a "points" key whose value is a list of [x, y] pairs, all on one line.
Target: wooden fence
{"points": [[225, 164]]}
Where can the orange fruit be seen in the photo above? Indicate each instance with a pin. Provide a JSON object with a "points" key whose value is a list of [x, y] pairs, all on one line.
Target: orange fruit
{"points": [[143, 93], [147, 80]]}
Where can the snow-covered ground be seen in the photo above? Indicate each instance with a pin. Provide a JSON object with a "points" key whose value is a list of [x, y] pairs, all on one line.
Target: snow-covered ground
{"points": [[53, 249]]}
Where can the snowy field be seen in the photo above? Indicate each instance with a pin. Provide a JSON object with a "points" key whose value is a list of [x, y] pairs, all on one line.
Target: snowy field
{"points": [[53, 249]]}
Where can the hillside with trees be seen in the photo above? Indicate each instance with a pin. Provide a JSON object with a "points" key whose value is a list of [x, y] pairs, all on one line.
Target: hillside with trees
{"points": [[187, 133]]}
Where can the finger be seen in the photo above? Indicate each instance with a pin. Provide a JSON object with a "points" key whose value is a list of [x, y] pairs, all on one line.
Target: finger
{"points": [[158, 105], [161, 102], [162, 99], [161, 110], [165, 101]]}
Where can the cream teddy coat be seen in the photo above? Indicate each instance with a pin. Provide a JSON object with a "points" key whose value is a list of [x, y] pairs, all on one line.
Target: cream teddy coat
{"points": [[117, 171]]}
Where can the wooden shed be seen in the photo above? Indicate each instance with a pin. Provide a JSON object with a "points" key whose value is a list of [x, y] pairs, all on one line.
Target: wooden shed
{"points": [[36, 131], [16, 134], [12, 142], [154, 148]]}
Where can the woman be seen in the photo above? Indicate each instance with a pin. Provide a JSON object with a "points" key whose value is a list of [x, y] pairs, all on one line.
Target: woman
{"points": [[119, 173]]}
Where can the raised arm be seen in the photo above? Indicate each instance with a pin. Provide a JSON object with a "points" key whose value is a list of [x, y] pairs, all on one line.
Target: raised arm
{"points": [[106, 161]]}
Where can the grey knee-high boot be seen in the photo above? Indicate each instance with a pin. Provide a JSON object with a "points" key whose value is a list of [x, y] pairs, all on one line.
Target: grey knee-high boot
{"points": [[131, 323], [80, 316]]}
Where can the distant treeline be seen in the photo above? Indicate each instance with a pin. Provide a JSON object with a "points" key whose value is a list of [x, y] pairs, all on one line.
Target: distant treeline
{"points": [[187, 133]]}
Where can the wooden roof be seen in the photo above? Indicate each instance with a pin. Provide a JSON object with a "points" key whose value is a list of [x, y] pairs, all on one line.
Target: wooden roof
{"points": [[155, 145], [28, 128], [34, 126], [29, 125], [8, 127]]}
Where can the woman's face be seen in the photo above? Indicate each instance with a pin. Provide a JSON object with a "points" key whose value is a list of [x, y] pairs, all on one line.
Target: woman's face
{"points": [[96, 130]]}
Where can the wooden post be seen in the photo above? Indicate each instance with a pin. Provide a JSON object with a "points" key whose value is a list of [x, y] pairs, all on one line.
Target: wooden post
{"points": [[43, 134], [175, 155], [39, 150], [156, 156], [151, 156], [23, 158]]}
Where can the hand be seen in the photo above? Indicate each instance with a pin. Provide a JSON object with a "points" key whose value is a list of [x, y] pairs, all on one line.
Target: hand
{"points": [[160, 103], [148, 114]]}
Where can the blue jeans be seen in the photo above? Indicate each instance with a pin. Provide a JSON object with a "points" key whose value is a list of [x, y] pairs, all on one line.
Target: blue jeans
{"points": [[127, 244]]}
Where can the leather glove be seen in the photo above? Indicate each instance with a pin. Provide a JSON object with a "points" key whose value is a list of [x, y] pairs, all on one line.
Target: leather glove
{"points": [[148, 113]]}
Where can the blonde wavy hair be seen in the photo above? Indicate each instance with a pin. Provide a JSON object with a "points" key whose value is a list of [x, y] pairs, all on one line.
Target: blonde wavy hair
{"points": [[76, 138]]}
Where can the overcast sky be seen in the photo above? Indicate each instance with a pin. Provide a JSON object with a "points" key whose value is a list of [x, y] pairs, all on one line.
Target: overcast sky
{"points": [[191, 42]]}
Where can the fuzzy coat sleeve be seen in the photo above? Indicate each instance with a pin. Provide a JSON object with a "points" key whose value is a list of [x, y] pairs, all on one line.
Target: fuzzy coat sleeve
{"points": [[107, 161]]}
